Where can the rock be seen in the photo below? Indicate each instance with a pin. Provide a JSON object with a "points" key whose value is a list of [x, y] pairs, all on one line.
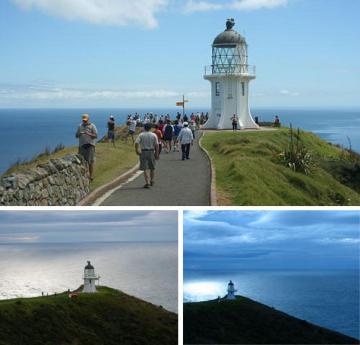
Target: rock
{"points": [[61, 181], [9, 182]]}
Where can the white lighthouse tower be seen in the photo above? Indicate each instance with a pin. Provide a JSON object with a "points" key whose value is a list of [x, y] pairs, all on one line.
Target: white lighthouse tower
{"points": [[231, 291], [229, 76], [89, 278]]}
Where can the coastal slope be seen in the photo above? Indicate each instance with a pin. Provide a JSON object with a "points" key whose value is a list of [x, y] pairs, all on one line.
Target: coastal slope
{"points": [[244, 321], [250, 170], [107, 317]]}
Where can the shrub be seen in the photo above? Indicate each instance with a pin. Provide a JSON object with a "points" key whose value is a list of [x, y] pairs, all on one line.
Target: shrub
{"points": [[58, 148], [296, 156]]}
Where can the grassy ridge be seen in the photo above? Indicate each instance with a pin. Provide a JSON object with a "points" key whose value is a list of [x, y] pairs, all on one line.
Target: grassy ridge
{"points": [[249, 171], [243, 321], [110, 163], [108, 317]]}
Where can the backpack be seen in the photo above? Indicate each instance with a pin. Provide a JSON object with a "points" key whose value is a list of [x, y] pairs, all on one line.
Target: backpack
{"points": [[177, 129], [168, 131]]}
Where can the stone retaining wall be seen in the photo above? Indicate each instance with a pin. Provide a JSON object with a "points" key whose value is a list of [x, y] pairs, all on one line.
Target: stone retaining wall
{"points": [[57, 182]]}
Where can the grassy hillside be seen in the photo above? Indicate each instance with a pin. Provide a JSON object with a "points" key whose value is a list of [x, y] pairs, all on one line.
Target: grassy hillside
{"points": [[108, 317], [111, 161], [249, 170], [243, 321]]}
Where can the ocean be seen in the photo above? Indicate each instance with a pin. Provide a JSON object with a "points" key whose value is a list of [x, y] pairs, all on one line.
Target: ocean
{"points": [[327, 298], [27, 132], [145, 270]]}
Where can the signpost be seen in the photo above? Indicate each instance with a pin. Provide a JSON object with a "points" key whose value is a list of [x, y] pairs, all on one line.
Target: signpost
{"points": [[182, 104]]}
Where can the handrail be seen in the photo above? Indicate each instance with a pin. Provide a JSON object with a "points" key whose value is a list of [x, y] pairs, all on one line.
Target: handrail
{"points": [[224, 69]]}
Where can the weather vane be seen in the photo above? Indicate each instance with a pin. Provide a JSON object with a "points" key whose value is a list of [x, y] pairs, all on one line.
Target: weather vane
{"points": [[230, 23]]}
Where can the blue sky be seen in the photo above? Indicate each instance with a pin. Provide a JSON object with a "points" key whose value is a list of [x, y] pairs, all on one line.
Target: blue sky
{"points": [[138, 53], [87, 226], [271, 240]]}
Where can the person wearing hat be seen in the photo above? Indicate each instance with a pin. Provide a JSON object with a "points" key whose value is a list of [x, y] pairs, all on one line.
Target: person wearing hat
{"points": [[111, 129], [87, 135], [186, 139], [147, 148]]}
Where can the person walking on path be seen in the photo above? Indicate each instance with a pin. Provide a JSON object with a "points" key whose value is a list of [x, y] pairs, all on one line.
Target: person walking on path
{"points": [[192, 127], [159, 135], [147, 148], [131, 129], [168, 135], [177, 129], [111, 130], [186, 139], [87, 135], [234, 122]]}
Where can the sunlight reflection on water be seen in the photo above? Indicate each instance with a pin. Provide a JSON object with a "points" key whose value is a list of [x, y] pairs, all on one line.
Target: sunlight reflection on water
{"points": [[145, 270]]}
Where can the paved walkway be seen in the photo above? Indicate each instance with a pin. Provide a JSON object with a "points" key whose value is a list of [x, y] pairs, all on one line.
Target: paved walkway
{"points": [[177, 183]]}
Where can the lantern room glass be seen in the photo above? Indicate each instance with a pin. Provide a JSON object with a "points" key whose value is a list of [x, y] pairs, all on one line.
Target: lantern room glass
{"points": [[229, 59]]}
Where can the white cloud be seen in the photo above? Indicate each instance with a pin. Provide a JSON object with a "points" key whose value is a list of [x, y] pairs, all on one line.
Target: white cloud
{"points": [[18, 238], [240, 5], [40, 94], [200, 6], [59, 93], [257, 4], [108, 12], [346, 240], [289, 93], [195, 214]]}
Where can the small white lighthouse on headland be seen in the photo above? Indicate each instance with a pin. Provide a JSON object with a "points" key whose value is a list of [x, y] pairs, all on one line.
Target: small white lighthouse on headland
{"points": [[230, 291], [89, 278], [229, 75]]}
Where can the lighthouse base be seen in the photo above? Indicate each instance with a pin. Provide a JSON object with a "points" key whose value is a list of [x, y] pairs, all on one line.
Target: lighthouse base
{"points": [[229, 97], [89, 286], [230, 296]]}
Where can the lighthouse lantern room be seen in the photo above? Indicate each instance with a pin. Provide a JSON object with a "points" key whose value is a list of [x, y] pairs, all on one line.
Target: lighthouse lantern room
{"points": [[229, 75], [231, 291], [89, 278]]}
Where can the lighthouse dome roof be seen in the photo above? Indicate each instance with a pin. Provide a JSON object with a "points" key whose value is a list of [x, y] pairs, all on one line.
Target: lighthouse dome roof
{"points": [[229, 36], [89, 266]]}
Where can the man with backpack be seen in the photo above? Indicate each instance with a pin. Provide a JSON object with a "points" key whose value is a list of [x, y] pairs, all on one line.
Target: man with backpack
{"points": [[168, 132], [177, 129]]}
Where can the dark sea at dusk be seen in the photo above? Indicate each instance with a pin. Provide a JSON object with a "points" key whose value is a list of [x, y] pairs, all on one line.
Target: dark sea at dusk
{"points": [[327, 298]]}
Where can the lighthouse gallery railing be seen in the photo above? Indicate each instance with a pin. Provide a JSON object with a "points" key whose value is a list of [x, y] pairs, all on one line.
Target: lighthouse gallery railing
{"points": [[230, 69]]}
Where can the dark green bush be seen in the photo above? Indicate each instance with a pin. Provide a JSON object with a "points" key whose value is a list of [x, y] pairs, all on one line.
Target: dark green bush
{"points": [[296, 156]]}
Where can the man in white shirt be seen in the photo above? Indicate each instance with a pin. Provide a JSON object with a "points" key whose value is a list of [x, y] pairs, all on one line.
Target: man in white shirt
{"points": [[186, 139], [132, 128], [147, 147]]}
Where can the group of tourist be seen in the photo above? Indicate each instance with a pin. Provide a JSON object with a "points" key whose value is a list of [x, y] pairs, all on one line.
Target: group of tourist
{"points": [[164, 135], [159, 134], [198, 118]]}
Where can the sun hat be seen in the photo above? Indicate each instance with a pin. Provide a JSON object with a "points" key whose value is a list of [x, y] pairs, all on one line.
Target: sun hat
{"points": [[85, 117]]}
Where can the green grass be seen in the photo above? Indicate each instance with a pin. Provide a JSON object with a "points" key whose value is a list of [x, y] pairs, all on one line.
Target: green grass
{"points": [[249, 170], [243, 321], [108, 317], [39, 159], [110, 163]]}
